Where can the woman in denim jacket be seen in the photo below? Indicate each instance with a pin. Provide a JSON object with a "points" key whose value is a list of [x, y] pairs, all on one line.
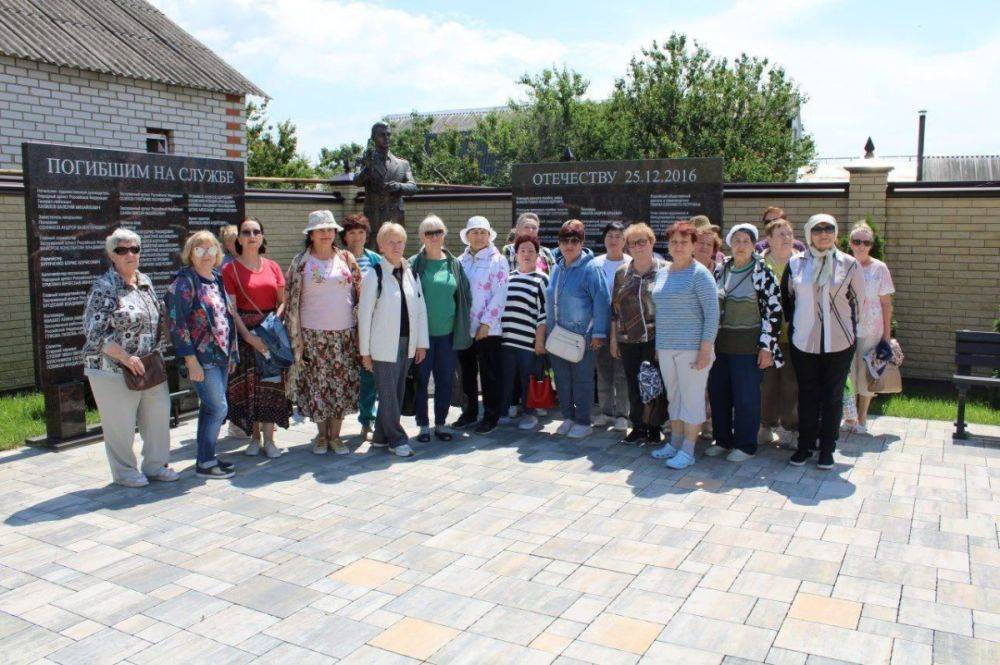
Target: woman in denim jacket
{"points": [[204, 335], [577, 299]]}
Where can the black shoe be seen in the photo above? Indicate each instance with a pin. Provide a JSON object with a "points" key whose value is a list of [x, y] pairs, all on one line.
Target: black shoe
{"points": [[825, 460], [486, 426], [424, 436], [464, 421], [442, 436], [800, 457], [637, 435], [225, 466], [653, 436], [216, 472]]}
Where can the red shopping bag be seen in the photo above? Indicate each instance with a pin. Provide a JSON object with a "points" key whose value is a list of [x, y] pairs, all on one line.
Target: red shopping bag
{"points": [[541, 392]]}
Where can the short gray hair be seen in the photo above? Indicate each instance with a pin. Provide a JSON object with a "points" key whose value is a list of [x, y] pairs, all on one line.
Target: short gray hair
{"points": [[120, 235], [431, 223], [526, 216]]}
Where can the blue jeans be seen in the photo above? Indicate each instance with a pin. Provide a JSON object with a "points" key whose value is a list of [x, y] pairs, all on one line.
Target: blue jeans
{"points": [[516, 368], [212, 412], [575, 385], [366, 403], [734, 393], [440, 360]]}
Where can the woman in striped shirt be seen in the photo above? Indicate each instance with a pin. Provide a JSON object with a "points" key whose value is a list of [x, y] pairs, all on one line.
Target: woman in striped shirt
{"points": [[523, 326]]}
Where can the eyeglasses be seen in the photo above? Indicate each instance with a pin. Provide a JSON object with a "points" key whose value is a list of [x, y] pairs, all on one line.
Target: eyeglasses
{"points": [[434, 233], [202, 252], [569, 241], [122, 251], [824, 228], [638, 242], [251, 232], [857, 242]]}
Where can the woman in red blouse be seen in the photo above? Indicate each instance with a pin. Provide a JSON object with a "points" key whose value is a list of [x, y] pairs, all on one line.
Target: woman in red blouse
{"points": [[257, 285]]}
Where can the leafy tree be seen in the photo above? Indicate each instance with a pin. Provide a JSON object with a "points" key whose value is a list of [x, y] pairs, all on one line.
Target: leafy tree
{"points": [[681, 102], [272, 150], [449, 157], [331, 162]]}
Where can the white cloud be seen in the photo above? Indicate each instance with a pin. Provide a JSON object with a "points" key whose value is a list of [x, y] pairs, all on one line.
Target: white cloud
{"points": [[335, 66]]}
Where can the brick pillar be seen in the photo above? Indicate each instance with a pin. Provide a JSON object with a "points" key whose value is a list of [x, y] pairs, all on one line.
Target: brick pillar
{"points": [[867, 193], [236, 131]]}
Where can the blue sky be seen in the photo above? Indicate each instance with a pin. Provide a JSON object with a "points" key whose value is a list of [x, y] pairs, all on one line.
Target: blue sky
{"points": [[334, 67]]}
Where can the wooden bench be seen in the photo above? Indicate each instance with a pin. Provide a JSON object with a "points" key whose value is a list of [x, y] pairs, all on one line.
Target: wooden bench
{"points": [[974, 350]]}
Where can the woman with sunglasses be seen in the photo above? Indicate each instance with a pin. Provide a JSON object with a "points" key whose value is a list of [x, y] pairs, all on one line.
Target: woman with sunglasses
{"points": [[875, 322], [822, 292], [448, 299], [577, 300], [123, 322], [203, 330], [257, 285]]}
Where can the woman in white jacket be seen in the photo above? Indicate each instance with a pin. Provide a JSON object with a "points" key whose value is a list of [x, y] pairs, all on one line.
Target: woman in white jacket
{"points": [[487, 271], [392, 330]]}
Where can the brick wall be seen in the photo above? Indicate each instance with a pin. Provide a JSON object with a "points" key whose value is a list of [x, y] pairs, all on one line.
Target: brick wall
{"points": [[942, 250], [40, 102]]}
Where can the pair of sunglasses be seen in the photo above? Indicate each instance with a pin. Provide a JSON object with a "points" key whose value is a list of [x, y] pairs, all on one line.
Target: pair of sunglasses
{"points": [[857, 242], [122, 251], [570, 241]]}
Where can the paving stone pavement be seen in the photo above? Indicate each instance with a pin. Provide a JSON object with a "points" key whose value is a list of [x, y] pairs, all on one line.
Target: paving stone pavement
{"points": [[514, 547]]}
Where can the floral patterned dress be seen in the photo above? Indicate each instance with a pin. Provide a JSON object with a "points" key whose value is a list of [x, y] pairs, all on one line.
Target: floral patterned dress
{"points": [[322, 320]]}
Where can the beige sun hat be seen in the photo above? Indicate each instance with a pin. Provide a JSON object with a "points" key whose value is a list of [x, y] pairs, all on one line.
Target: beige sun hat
{"points": [[321, 219]]}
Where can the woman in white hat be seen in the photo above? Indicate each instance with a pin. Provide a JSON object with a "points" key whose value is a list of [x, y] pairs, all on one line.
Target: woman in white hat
{"points": [[746, 345], [324, 288], [487, 272], [257, 285], [822, 292]]}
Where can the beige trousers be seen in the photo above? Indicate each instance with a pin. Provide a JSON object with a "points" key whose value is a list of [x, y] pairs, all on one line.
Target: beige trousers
{"points": [[121, 411]]}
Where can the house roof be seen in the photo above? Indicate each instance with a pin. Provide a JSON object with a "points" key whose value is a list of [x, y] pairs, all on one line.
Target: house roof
{"points": [[127, 38], [460, 120]]}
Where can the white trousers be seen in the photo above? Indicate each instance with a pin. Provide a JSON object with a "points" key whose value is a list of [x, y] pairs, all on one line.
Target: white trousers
{"points": [[685, 385]]}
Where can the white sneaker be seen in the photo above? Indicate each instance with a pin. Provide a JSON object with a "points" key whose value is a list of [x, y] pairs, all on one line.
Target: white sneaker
{"points": [[860, 429], [402, 450], [846, 426], [767, 436], [320, 446], [666, 452], [621, 424], [528, 423], [134, 478], [715, 451], [541, 413], [512, 411], [738, 456], [253, 448], [272, 451], [165, 475], [601, 420], [579, 431], [564, 429]]}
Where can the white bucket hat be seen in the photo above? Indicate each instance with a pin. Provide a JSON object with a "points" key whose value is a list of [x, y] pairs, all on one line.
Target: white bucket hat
{"points": [[321, 219], [477, 222], [749, 228]]}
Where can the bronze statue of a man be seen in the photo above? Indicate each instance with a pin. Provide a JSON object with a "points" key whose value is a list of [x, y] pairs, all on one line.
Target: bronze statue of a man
{"points": [[385, 178]]}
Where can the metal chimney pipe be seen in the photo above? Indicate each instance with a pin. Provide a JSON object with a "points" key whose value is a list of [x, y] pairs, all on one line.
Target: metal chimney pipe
{"points": [[920, 144]]}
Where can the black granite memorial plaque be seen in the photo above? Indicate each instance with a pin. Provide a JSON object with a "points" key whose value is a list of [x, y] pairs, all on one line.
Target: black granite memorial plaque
{"points": [[655, 191], [74, 198]]}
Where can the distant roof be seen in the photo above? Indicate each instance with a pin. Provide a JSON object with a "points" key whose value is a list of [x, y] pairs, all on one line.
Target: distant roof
{"points": [[127, 38], [937, 168], [460, 120]]}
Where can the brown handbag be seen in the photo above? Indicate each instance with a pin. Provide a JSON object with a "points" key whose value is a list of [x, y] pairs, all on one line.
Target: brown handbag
{"points": [[154, 375]]}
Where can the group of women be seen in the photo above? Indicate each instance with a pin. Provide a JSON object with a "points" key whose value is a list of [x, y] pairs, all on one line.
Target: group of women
{"points": [[748, 348]]}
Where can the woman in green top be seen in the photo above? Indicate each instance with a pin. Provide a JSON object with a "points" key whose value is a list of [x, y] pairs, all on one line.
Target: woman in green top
{"points": [[747, 344], [447, 297]]}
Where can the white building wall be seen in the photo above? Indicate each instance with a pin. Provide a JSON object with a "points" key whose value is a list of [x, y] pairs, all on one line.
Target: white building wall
{"points": [[41, 102]]}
